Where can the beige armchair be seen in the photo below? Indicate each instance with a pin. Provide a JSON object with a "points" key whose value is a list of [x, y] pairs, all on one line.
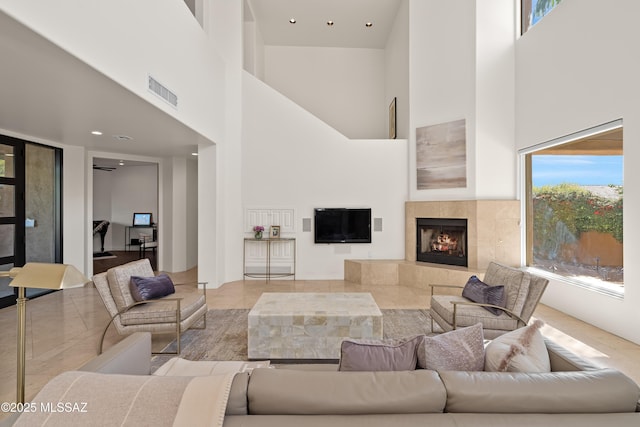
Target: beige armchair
{"points": [[523, 291], [174, 313]]}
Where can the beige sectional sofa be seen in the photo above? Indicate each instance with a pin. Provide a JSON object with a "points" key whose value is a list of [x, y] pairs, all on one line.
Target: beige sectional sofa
{"points": [[573, 394]]}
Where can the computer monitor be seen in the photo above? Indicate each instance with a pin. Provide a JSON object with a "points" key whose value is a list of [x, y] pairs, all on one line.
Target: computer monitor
{"points": [[142, 219]]}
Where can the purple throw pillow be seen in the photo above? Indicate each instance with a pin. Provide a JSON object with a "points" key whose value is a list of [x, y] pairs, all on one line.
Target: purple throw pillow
{"points": [[379, 355], [146, 288], [478, 291]]}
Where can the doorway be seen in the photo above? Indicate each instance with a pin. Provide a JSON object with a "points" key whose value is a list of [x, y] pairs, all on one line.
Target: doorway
{"points": [[122, 187]]}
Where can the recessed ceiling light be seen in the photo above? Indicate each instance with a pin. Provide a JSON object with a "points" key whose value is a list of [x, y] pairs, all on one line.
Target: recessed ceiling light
{"points": [[96, 132], [121, 162], [194, 154], [292, 21], [369, 24], [330, 23]]}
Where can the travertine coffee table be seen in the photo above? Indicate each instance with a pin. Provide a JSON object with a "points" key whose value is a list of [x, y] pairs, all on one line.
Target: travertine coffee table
{"points": [[310, 325]]}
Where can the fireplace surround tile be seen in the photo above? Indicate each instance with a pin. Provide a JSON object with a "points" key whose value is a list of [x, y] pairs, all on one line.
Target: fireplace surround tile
{"points": [[493, 231]]}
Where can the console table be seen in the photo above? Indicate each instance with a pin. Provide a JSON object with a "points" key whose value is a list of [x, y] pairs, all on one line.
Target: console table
{"points": [[127, 234], [268, 242]]}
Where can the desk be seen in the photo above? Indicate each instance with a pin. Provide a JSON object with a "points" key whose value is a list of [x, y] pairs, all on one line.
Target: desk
{"points": [[127, 234], [268, 274]]}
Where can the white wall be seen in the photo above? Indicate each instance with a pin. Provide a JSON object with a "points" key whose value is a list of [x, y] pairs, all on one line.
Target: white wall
{"points": [[166, 229], [183, 206], [192, 214], [575, 69], [396, 61], [291, 159], [442, 80], [342, 86], [75, 227], [495, 158], [219, 167], [114, 44], [209, 216], [462, 67], [102, 207]]}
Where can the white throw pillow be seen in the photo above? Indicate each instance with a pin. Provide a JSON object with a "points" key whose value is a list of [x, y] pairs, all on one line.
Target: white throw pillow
{"points": [[522, 350]]}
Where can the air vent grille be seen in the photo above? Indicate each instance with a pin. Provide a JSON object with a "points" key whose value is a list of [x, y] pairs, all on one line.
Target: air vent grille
{"points": [[164, 93]]}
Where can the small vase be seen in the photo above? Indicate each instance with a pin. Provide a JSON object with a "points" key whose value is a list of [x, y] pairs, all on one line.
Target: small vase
{"points": [[258, 235]]}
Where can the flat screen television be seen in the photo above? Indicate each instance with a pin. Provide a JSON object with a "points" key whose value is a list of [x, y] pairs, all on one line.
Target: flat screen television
{"points": [[142, 219], [342, 225]]}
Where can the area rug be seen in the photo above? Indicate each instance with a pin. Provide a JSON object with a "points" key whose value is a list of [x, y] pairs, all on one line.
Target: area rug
{"points": [[225, 337]]}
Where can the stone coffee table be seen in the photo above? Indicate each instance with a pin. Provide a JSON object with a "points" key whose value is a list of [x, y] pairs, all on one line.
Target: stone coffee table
{"points": [[310, 325]]}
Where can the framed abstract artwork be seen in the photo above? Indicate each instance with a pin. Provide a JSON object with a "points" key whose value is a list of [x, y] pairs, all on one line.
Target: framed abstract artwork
{"points": [[441, 156]]}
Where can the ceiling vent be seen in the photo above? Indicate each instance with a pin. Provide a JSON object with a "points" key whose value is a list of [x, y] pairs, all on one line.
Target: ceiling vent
{"points": [[164, 93]]}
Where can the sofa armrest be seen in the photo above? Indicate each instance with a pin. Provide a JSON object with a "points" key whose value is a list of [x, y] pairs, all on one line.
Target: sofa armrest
{"points": [[564, 360], [130, 356]]}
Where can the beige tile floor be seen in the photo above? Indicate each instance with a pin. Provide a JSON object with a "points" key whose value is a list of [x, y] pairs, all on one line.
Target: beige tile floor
{"points": [[63, 328]]}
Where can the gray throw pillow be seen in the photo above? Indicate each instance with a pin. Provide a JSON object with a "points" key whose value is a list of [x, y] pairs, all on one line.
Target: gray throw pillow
{"points": [[146, 288], [457, 350], [478, 291], [379, 355]]}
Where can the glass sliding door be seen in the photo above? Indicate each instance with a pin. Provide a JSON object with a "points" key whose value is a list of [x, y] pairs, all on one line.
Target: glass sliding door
{"points": [[11, 213], [42, 206], [30, 208]]}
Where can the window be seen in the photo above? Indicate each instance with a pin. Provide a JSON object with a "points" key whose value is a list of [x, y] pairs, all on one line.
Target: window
{"points": [[534, 10], [574, 212]]}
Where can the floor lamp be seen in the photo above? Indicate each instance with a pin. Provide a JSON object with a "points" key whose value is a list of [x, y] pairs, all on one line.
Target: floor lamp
{"points": [[41, 276]]}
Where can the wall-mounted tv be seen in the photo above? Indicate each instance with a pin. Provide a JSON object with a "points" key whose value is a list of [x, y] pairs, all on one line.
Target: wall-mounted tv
{"points": [[342, 225], [142, 219]]}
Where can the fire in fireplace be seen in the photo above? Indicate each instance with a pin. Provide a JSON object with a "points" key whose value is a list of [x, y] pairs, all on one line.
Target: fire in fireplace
{"points": [[442, 241]]}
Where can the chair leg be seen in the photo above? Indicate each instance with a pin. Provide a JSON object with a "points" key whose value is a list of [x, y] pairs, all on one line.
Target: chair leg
{"points": [[204, 321]]}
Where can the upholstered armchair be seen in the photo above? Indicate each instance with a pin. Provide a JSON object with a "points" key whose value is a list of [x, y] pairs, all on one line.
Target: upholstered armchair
{"points": [[522, 294], [175, 312]]}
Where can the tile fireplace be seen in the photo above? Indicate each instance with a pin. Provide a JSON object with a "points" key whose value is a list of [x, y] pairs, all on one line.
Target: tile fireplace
{"points": [[493, 230], [442, 241]]}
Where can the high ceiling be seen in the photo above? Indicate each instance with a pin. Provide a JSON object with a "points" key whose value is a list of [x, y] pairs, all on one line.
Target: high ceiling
{"points": [[50, 95], [349, 19]]}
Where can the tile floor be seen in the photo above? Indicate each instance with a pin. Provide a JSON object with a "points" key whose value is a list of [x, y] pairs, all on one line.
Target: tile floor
{"points": [[64, 328]]}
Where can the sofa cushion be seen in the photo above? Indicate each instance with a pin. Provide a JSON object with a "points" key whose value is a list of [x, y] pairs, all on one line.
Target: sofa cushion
{"points": [[478, 291], [119, 279], [598, 391], [469, 315], [164, 310], [379, 355], [458, 350], [300, 392], [146, 288], [522, 350]]}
